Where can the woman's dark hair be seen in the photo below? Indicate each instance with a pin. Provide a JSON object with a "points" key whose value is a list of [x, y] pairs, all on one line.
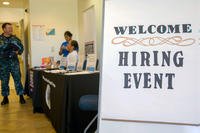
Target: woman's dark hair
{"points": [[75, 44], [5, 24], [68, 33]]}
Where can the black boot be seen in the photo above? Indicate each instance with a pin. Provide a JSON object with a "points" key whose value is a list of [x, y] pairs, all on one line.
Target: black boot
{"points": [[21, 99], [5, 100]]}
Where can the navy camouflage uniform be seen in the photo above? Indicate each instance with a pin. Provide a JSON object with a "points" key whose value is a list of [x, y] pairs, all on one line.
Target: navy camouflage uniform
{"points": [[9, 63]]}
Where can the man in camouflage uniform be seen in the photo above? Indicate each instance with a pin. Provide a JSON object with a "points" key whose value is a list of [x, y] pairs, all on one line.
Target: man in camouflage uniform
{"points": [[10, 48]]}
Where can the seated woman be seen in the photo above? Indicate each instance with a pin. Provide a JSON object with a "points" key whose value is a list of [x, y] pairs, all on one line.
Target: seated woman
{"points": [[72, 58]]}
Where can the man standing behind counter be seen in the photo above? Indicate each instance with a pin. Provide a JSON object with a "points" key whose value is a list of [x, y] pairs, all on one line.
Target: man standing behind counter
{"points": [[10, 48]]}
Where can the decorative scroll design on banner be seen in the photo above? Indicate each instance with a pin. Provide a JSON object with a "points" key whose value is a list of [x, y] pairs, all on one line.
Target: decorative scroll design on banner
{"points": [[153, 41]]}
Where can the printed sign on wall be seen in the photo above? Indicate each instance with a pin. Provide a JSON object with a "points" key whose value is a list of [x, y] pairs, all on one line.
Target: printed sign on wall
{"points": [[151, 62]]}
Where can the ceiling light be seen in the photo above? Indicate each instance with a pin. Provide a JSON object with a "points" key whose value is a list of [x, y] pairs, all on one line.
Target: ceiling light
{"points": [[6, 3]]}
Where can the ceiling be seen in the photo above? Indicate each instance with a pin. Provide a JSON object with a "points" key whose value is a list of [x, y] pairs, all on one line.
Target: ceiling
{"points": [[14, 3]]}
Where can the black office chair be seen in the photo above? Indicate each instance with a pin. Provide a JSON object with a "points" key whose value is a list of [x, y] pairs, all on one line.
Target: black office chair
{"points": [[97, 64], [84, 64], [89, 103]]}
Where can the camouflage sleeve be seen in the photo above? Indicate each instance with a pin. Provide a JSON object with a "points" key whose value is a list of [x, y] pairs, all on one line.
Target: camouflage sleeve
{"points": [[1, 42], [1, 45], [17, 42]]}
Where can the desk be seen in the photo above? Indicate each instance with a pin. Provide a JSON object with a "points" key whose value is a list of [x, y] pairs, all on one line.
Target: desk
{"points": [[60, 94], [35, 81]]}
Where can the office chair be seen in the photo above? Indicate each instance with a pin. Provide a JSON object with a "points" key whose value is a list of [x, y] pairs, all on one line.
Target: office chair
{"points": [[89, 103]]}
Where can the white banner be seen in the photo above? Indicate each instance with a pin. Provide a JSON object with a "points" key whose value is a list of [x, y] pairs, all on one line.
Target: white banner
{"points": [[151, 62]]}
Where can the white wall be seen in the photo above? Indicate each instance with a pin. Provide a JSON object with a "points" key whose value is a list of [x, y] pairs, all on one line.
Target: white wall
{"points": [[62, 15], [58, 14], [11, 14], [83, 5]]}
